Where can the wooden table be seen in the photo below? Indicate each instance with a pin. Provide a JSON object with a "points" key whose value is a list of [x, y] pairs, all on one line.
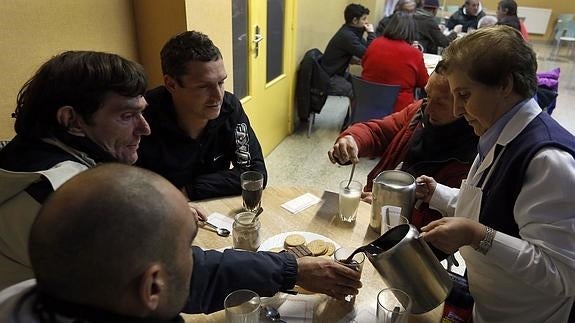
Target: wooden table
{"points": [[321, 218]]}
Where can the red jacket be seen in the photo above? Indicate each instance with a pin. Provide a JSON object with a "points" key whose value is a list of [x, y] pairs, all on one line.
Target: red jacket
{"points": [[395, 62], [388, 138]]}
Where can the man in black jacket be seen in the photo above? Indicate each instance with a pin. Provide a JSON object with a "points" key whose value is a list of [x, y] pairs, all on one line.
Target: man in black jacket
{"points": [[347, 46], [113, 244], [201, 139], [466, 16]]}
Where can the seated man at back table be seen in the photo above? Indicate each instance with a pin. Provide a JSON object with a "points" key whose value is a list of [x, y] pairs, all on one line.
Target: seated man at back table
{"points": [[199, 129], [467, 16], [80, 109], [347, 45], [423, 138], [114, 244]]}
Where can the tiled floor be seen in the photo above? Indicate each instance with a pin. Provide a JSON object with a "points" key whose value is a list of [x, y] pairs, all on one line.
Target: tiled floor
{"points": [[303, 161]]}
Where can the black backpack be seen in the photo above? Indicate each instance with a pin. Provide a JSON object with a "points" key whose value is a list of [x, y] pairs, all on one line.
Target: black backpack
{"points": [[312, 84]]}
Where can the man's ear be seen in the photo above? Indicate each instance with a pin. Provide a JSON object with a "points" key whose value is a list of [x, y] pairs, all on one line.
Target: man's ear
{"points": [[70, 120], [170, 83], [152, 287], [355, 21], [507, 86]]}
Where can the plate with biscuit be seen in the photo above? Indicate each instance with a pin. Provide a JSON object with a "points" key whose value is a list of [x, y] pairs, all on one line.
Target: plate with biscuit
{"points": [[301, 243]]}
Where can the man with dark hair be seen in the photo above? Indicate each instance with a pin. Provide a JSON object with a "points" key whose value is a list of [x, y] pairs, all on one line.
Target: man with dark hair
{"points": [[81, 108], [113, 244], [347, 46], [199, 129], [467, 16]]}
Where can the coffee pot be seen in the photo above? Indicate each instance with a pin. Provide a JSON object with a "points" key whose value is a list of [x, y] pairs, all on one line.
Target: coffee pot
{"points": [[406, 262], [393, 188]]}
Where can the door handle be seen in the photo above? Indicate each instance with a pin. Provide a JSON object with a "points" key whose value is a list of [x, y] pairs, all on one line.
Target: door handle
{"points": [[257, 39]]}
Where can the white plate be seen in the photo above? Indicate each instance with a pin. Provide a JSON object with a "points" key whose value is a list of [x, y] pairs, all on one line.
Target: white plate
{"points": [[277, 241]]}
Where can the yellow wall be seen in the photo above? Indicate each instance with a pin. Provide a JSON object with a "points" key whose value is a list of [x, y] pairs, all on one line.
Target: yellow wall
{"points": [[32, 31], [557, 7]]}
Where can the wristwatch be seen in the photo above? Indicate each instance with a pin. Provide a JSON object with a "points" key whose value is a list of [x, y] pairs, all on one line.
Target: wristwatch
{"points": [[487, 241]]}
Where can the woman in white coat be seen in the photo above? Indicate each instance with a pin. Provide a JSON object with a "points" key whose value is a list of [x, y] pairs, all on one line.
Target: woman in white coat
{"points": [[513, 219]]}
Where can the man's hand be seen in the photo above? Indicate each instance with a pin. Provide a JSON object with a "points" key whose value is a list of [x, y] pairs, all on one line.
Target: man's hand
{"points": [[425, 188], [368, 28], [344, 150], [198, 212], [449, 234], [325, 276], [458, 28]]}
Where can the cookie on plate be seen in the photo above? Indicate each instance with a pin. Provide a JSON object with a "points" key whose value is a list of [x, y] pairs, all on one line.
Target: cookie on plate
{"points": [[276, 249], [294, 240], [317, 247], [330, 248]]}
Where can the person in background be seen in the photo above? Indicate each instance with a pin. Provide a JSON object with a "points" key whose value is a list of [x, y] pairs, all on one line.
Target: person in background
{"points": [[82, 109], [507, 15], [346, 47], [423, 138], [202, 140], [403, 6], [512, 219], [390, 59], [467, 16], [429, 35], [115, 244]]}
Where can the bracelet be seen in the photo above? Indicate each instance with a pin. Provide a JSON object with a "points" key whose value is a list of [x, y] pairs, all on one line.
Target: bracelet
{"points": [[487, 241]]}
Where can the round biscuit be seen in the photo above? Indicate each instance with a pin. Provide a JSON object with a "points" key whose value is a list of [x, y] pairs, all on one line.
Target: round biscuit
{"points": [[330, 248], [317, 247], [276, 249], [294, 240]]}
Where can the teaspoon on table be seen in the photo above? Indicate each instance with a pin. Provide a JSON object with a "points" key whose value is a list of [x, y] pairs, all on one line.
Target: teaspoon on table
{"points": [[272, 314], [222, 232]]}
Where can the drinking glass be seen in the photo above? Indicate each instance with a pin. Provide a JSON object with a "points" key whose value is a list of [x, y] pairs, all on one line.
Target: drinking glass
{"points": [[252, 187], [242, 306], [391, 217], [393, 306], [356, 263], [349, 199]]}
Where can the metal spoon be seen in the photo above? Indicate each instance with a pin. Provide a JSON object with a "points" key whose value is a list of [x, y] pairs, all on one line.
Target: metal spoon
{"points": [[273, 314], [260, 210], [350, 177], [222, 232]]}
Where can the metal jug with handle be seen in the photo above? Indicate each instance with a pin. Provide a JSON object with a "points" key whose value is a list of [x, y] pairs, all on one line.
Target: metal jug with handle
{"points": [[395, 188], [405, 261]]}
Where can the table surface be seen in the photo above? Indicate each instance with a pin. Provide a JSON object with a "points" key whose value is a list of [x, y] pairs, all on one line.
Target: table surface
{"points": [[321, 218]]}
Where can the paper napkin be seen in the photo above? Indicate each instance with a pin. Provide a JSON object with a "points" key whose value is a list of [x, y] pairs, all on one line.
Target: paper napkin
{"points": [[301, 203]]}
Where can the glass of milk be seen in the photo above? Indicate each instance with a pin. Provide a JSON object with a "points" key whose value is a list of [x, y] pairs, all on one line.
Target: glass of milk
{"points": [[349, 199]]}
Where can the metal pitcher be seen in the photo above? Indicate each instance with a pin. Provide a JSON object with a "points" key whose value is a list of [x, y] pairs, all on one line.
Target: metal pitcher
{"points": [[392, 187], [406, 262]]}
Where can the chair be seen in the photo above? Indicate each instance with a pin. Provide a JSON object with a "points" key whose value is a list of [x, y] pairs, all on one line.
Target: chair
{"points": [[564, 31], [372, 100]]}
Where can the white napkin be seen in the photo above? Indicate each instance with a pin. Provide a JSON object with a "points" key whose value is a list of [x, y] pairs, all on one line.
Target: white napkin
{"points": [[365, 314], [294, 310], [301, 203], [221, 220]]}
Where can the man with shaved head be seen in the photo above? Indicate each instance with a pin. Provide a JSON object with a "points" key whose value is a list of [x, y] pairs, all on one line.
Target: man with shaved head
{"points": [[114, 244], [423, 138]]}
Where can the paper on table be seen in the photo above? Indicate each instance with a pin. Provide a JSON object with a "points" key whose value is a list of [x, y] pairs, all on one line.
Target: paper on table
{"points": [[221, 220], [301, 203], [296, 310], [364, 314]]}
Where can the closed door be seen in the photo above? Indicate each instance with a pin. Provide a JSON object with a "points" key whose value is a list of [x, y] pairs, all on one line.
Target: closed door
{"points": [[263, 69]]}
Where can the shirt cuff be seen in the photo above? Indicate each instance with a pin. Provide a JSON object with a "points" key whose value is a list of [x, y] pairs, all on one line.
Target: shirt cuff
{"points": [[290, 271], [440, 199]]}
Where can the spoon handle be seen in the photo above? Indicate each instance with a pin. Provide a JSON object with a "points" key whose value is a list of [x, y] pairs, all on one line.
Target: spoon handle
{"points": [[210, 225], [350, 176]]}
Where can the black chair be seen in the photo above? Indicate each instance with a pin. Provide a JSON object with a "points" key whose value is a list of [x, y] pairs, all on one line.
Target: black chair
{"points": [[372, 100]]}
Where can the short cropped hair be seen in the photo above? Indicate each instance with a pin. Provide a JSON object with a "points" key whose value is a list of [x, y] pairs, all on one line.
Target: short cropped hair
{"points": [[490, 55], [402, 26], [81, 79], [184, 48], [354, 10], [486, 21]]}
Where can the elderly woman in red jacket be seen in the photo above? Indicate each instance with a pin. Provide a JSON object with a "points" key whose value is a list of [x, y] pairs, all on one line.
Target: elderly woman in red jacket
{"points": [[391, 59], [424, 138]]}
